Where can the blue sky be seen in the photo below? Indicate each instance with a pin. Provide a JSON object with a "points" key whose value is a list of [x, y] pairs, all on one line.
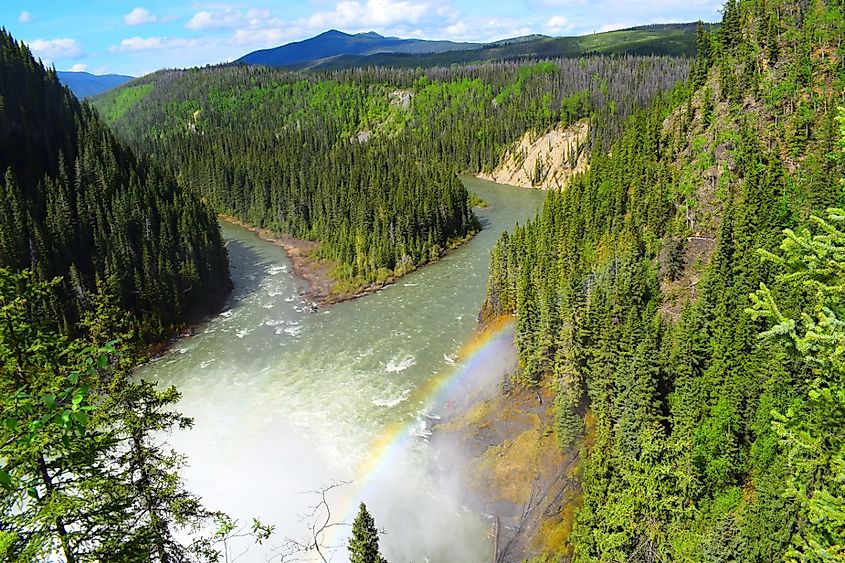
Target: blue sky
{"points": [[140, 36]]}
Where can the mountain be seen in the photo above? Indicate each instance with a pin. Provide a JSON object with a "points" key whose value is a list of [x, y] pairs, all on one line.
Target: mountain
{"points": [[76, 203], [334, 50], [84, 84], [677, 40], [335, 43]]}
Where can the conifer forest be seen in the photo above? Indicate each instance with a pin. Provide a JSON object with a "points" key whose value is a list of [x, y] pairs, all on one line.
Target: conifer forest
{"points": [[669, 323]]}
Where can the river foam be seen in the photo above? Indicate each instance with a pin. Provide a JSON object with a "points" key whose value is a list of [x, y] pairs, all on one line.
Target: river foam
{"points": [[392, 402], [396, 365]]}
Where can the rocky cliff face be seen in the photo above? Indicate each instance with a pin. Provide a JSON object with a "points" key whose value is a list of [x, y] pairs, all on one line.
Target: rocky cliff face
{"points": [[544, 162]]}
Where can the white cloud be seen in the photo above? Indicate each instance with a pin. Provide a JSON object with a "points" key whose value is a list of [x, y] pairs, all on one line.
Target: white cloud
{"points": [[55, 49], [79, 67], [482, 29], [587, 16], [249, 27], [139, 16], [558, 24], [222, 30], [133, 44], [213, 20], [229, 18], [614, 26], [229, 31], [559, 3], [352, 14], [25, 17], [267, 36], [137, 44], [458, 29]]}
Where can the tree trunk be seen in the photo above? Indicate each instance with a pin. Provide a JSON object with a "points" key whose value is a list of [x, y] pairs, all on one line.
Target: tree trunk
{"points": [[60, 524], [146, 487]]}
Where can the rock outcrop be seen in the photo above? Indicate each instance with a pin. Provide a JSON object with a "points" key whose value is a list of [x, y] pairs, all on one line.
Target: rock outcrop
{"points": [[544, 162]]}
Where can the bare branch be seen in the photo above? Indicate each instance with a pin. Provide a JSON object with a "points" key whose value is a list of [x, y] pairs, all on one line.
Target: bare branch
{"points": [[318, 521]]}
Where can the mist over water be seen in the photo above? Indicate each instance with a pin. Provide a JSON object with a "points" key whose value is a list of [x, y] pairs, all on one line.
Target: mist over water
{"points": [[286, 400]]}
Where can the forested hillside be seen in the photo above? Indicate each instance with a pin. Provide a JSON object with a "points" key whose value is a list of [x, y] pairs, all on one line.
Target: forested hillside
{"points": [[704, 435], [77, 204], [330, 44], [99, 252], [364, 161], [674, 40]]}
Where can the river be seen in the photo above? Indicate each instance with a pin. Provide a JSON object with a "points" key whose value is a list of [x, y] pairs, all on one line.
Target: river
{"points": [[287, 400]]}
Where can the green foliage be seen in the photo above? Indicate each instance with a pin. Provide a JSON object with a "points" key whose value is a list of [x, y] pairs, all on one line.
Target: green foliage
{"points": [[476, 201], [811, 430], [674, 40], [99, 251], [523, 74], [575, 107], [116, 103], [363, 545], [704, 55], [218, 547], [631, 290], [83, 472]]}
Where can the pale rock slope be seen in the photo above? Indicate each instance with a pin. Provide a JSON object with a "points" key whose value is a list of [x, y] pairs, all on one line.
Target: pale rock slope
{"points": [[544, 162]]}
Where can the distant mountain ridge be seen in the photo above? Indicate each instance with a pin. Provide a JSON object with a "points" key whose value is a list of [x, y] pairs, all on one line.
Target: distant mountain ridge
{"points": [[334, 49], [84, 84], [335, 43]]}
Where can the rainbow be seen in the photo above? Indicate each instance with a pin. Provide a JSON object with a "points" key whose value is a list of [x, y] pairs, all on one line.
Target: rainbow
{"points": [[436, 392]]}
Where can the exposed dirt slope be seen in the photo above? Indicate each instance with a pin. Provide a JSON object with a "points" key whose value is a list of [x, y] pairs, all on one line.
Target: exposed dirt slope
{"points": [[544, 162], [516, 471]]}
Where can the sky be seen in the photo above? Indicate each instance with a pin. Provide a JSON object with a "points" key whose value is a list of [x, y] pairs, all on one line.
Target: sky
{"points": [[140, 36]]}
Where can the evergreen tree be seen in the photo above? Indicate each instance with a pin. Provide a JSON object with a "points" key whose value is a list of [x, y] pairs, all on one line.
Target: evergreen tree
{"points": [[811, 430], [81, 469], [363, 545], [732, 441], [332, 157], [76, 203]]}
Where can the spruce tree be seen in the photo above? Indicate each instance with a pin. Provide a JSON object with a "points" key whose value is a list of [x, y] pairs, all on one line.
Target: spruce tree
{"points": [[75, 203], [363, 545], [702, 441], [812, 429]]}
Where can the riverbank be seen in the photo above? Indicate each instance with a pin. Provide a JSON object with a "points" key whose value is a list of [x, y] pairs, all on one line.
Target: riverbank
{"points": [[514, 471], [194, 321], [321, 286]]}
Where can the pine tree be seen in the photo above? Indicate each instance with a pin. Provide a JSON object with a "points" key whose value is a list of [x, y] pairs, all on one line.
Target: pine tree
{"points": [[811, 430], [772, 39], [703, 57], [703, 441], [363, 545], [75, 203]]}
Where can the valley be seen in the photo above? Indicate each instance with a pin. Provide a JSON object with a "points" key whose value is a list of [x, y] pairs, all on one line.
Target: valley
{"points": [[627, 346]]}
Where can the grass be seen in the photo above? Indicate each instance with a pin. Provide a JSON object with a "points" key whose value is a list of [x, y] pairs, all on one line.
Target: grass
{"points": [[555, 531]]}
